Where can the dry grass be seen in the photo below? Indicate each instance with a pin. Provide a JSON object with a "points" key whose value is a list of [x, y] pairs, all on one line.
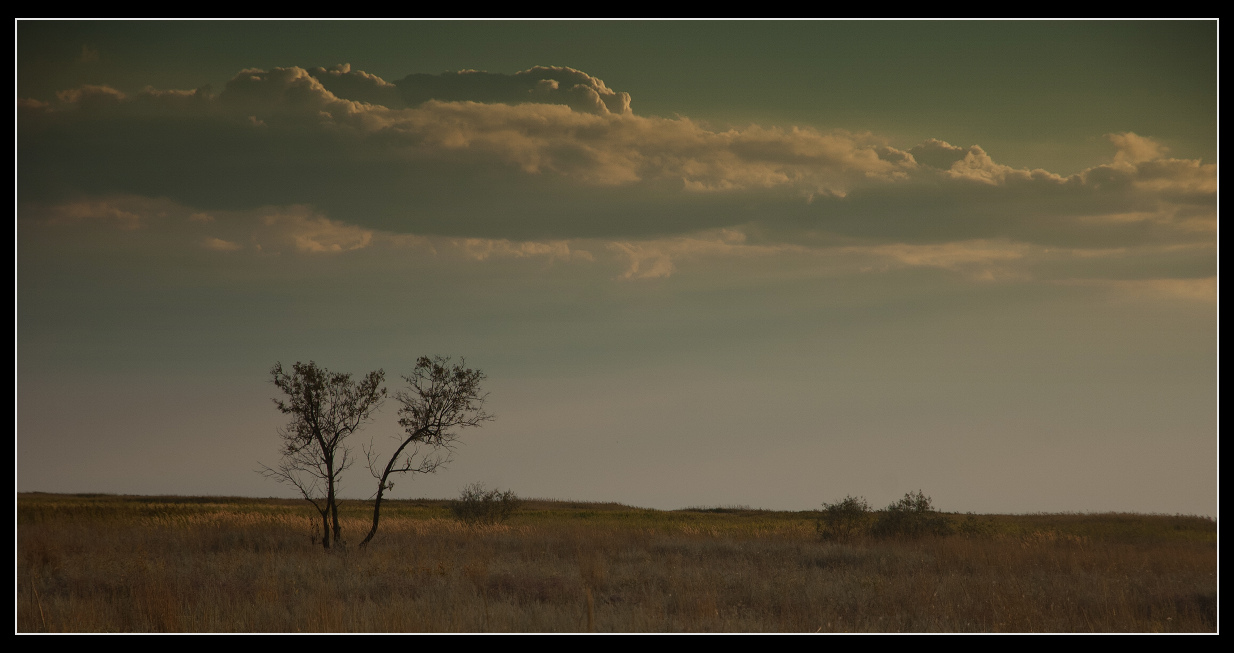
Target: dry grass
{"points": [[147, 564]]}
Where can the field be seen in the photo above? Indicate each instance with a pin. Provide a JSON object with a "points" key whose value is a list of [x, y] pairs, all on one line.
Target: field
{"points": [[91, 563]]}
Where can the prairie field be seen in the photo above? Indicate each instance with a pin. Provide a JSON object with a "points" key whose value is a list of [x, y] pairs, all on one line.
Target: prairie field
{"points": [[102, 563]]}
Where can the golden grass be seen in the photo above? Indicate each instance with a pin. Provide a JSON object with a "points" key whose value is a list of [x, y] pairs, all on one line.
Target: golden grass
{"points": [[175, 564]]}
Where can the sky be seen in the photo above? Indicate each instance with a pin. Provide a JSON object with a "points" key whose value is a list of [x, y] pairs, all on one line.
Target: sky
{"points": [[701, 263]]}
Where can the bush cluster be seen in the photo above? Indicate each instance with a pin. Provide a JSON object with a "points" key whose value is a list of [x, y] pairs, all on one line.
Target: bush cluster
{"points": [[844, 519], [480, 505], [912, 516]]}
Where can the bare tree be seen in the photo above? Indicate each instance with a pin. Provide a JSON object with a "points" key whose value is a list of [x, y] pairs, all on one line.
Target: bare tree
{"points": [[440, 397], [325, 408]]}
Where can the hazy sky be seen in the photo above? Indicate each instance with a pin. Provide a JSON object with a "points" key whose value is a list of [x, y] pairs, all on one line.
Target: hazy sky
{"points": [[763, 263]]}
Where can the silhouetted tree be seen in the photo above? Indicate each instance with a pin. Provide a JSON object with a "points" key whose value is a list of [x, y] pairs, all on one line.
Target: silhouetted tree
{"points": [[440, 397], [325, 408]]}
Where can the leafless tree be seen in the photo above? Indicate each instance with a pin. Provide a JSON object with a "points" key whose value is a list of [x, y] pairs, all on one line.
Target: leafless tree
{"points": [[325, 408], [440, 398]]}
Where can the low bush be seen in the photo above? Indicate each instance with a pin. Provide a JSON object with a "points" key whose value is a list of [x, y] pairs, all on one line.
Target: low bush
{"points": [[912, 516], [480, 505], [844, 519]]}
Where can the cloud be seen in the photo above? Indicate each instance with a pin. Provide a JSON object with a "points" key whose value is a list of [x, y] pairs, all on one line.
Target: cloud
{"points": [[126, 213], [656, 258], [358, 85], [540, 85], [309, 232], [220, 245], [532, 158], [1140, 162], [288, 97], [981, 255], [91, 97], [282, 137], [1134, 149], [481, 249], [1205, 290], [303, 231]]}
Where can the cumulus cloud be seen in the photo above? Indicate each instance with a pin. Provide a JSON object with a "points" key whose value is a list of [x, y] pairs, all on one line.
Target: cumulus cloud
{"points": [[1133, 149], [598, 141], [281, 136], [550, 163], [540, 85], [289, 96], [1140, 162], [358, 86]]}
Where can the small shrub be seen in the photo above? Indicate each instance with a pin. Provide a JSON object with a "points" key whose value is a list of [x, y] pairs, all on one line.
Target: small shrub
{"points": [[912, 516], [843, 520], [480, 505]]}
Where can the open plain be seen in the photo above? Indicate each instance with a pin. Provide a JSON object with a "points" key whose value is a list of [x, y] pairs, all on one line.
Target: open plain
{"points": [[105, 563]]}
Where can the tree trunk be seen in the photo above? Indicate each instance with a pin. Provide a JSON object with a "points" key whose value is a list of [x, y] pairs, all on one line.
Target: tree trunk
{"points": [[338, 530], [382, 486], [331, 503], [376, 514], [325, 529]]}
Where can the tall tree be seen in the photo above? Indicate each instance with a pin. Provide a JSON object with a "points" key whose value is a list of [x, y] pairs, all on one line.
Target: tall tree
{"points": [[325, 407], [441, 396]]}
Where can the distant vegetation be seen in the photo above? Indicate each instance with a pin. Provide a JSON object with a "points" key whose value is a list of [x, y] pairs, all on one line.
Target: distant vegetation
{"points": [[480, 505], [172, 564], [910, 517]]}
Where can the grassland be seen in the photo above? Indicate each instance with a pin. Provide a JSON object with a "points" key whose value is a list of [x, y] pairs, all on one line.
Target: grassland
{"points": [[174, 564]]}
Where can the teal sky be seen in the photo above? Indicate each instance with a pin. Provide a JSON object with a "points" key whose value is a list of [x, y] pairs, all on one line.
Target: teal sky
{"points": [[764, 263]]}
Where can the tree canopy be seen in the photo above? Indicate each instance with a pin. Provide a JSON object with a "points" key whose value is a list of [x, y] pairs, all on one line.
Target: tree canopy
{"points": [[325, 408], [440, 398]]}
